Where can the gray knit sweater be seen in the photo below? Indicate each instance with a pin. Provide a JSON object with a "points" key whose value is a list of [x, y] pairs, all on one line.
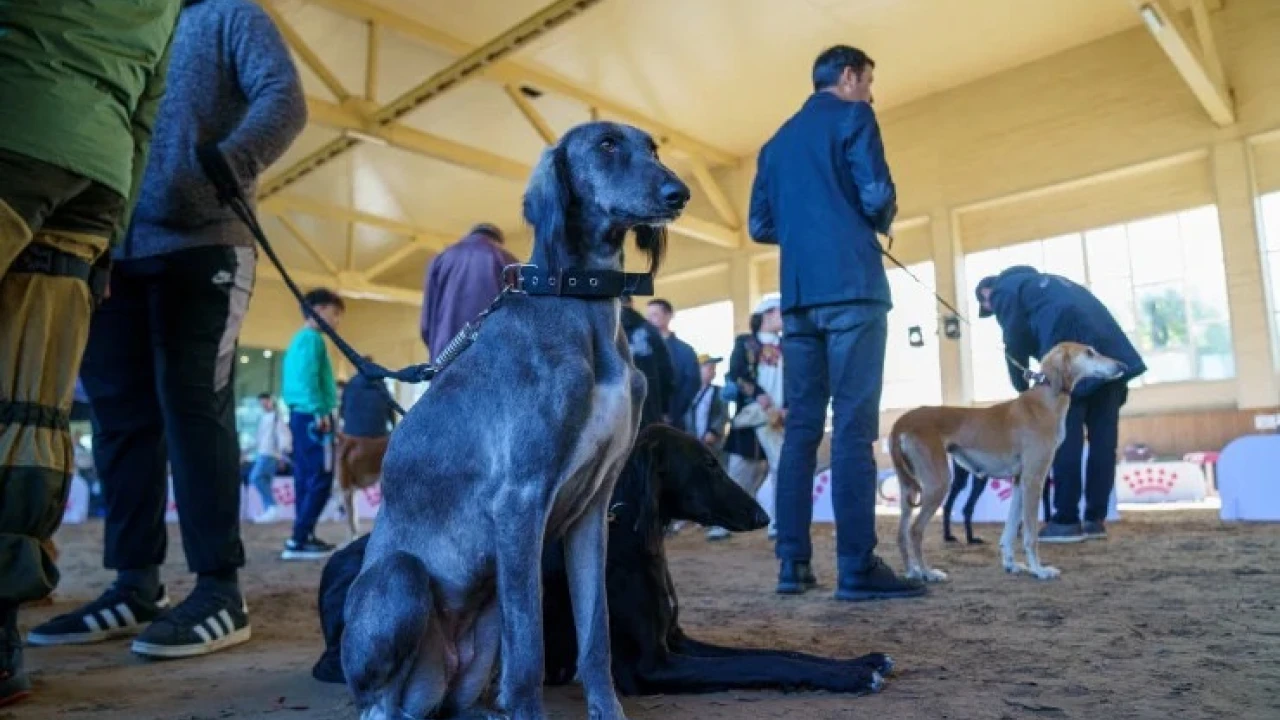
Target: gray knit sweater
{"points": [[231, 81]]}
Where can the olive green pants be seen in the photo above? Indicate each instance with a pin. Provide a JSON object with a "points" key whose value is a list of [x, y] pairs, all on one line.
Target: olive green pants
{"points": [[54, 226]]}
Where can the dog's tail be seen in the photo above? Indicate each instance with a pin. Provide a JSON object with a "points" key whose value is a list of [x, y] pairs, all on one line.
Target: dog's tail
{"points": [[388, 610], [907, 482]]}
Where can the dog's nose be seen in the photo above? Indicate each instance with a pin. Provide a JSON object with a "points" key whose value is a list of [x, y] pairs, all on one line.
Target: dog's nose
{"points": [[675, 194]]}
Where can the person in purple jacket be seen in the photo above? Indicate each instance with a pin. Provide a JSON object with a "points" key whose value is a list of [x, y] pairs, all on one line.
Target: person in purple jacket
{"points": [[461, 282]]}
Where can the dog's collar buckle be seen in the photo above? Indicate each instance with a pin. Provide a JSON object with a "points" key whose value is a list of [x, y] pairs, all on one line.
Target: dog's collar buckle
{"points": [[1032, 376], [587, 284]]}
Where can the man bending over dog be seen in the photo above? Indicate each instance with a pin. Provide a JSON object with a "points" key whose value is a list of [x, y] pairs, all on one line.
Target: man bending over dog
{"points": [[1037, 311], [822, 192]]}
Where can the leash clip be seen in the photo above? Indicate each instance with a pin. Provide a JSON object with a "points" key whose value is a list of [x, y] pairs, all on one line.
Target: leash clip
{"points": [[1032, 376]]}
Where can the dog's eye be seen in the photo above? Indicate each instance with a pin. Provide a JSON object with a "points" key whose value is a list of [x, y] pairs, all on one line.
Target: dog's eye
{"points": [[608, 145]]}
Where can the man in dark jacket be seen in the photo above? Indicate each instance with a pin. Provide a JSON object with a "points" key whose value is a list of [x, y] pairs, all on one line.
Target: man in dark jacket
{"points": [[1036, 311], [684, 361], [650, 356], [365, 408], [822, 191], [79, 87], [461, 282], [160, 364]]}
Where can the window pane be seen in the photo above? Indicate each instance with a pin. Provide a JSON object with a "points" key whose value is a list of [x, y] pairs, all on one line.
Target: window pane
{"points": [[1163, 335], [1155, 250], [912, 375], [1108, 251], [1117, 294], [1271, 219], [1064, 255]]}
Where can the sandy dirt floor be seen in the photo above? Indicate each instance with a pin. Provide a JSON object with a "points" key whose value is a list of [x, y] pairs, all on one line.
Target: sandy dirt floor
{"points": [[1174, 617]]}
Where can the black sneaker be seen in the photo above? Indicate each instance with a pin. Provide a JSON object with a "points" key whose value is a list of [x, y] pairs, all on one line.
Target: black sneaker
{"points": [[118, 612], [1061, 533], [206, 622], [795, 578], [313, 549], [14, 683], [1094, 530], [878, 582]]}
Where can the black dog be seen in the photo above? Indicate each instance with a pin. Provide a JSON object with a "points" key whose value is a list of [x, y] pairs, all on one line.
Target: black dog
{"points": [[668, 476], [961, 478]]}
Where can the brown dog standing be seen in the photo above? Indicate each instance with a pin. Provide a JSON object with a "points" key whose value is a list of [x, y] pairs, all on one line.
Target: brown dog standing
{"points": [[1012, 439], [357, 465]]}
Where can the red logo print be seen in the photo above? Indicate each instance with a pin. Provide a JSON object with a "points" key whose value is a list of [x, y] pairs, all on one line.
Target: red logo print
{"points": [[1150, 480], [820, 485], [1002, 488]]}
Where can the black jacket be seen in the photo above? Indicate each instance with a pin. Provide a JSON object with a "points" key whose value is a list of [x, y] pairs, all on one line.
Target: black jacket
{"points": [[742, 372], [650, 355], [1036, 311], [365, 410], [717, 414], [822, 191]]}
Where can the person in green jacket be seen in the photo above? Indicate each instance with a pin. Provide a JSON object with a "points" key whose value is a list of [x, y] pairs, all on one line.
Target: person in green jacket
{"points": [[80, 84], [311, 393]]}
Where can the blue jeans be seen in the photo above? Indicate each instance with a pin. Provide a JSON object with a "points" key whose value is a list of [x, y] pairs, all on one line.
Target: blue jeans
{"points": [[833, 354], [312, 484], [261, 475], [1099, 413]]}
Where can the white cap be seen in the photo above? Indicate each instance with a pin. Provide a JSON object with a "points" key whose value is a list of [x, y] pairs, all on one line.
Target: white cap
{"points": [[772, 301]]}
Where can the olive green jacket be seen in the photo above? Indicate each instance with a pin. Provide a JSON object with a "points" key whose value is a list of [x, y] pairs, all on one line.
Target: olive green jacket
{"points": [[80, 83]]}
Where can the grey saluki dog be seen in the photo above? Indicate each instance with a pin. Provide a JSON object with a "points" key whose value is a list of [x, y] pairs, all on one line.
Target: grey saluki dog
{"points": [[519, 440]]}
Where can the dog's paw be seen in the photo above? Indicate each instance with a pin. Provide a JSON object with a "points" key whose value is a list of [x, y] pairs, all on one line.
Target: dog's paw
{"points": [[1015, 568], [934, 576], [1044, 572], [877, 682]]}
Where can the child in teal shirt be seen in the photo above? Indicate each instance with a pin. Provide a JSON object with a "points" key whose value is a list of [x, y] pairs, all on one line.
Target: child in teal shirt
{"points": [[311, 393]]}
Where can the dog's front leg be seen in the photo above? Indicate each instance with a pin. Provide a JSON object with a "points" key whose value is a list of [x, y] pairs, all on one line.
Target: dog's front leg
{"points": [[1010, 534], [1034, 479], [585, 554], [520, 525]]}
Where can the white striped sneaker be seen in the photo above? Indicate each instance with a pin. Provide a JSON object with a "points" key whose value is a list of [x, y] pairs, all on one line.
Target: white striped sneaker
{"points": [[118, 612], [206, 622]]}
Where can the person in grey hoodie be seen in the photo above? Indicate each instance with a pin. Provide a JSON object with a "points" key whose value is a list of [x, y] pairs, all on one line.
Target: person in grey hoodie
{"points": [[161, 354]]}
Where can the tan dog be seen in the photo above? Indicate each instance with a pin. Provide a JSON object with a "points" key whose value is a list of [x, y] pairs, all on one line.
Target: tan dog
{"points": [[357, 464], [1015, 439]]}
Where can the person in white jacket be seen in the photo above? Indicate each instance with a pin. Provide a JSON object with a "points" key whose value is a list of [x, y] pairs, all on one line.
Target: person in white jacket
{"points": [[273, 441]]}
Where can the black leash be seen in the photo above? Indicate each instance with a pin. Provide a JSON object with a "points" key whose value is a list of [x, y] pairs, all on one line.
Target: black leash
{"points": [[1027, 373], [519, 279], [229, 194]]}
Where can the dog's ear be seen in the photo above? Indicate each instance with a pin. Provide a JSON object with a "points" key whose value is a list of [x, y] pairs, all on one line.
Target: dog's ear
{"points": [[1059, 368], [548, 197], [652, 241]]}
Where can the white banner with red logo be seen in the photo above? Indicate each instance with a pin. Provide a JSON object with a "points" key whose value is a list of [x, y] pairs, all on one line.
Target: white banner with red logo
{"points": [[1160, 482], [368, 501]]}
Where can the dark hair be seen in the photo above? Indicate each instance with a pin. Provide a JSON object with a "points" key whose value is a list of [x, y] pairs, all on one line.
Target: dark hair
{"points": [[830, 65], [664, 304], [321, 297], [757, 322], [489, 230], [264, 396]]}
